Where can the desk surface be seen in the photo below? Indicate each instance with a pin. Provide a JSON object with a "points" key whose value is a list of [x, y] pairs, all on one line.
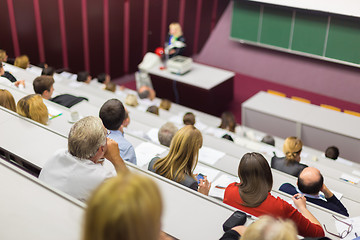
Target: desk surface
{"points": [[308, 114], [29, 210], [200, 75]]}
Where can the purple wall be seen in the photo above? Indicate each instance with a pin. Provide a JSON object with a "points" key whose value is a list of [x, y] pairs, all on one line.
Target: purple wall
{"points": [[307, 74], [101, 35]]}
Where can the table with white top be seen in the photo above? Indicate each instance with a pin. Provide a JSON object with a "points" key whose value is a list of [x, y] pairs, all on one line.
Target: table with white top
{"points": [[316, 126], [205, 88]]}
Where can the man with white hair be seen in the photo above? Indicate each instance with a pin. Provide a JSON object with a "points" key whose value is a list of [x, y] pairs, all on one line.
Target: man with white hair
{"points": [[79, 169]]}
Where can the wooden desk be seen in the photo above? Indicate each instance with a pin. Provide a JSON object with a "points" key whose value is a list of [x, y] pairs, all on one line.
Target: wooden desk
{"points": [[316, 126], [204, 88]]}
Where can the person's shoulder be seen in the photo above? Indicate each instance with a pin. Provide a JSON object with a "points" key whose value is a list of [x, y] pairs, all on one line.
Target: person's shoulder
{"points": [[288, 188], [151, 164]]}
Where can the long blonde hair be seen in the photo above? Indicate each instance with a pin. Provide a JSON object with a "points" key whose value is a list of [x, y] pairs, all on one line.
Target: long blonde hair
{"points": [[7, 100], [126, 207], [22, 62], [269, 228], [33, 107], [183, 155], [292, 149]]}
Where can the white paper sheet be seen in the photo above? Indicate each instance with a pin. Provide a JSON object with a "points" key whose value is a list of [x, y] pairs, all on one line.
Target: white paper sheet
{"points": [[341, 227], [147, 151], [218, 186], [209, 156], [53, 112], [153, 135], [209, 172], [348, 178]]}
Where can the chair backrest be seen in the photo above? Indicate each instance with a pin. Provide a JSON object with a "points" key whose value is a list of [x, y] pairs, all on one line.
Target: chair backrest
{"points": [[300, 99], [352, 113], [330, 107], [276, 93]]}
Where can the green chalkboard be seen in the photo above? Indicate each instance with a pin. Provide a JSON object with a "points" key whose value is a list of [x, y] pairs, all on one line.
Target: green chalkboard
{"points": [[344, 40], [309, 33], [276, 26], [246, 19], [322, 35]]}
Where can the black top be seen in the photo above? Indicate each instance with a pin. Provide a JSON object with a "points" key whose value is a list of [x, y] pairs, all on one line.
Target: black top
{"points": [[293, 168], [178, 51], [9, 76], [332, 203], [188, 180]]}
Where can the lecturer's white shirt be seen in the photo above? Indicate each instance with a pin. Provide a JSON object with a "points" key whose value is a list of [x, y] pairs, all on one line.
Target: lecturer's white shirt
{"points": [[74, 176]]}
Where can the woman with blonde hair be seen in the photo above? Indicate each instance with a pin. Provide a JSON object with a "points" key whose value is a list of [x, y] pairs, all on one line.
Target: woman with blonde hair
{"points": [[179, 164], [252, 195], [7, 100], [33, 107], [126, 207], [22, 62], [175, 39], [290, 164], [265, 228]]}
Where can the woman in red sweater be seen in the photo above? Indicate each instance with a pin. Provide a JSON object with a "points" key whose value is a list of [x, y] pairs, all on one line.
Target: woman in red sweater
{"points": [[252, 195]]}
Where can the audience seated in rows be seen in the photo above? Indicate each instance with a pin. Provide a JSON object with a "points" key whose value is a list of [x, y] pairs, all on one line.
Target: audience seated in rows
{"points": [[103, 78], [153, 109], [84, 77], [268, 140], [252, 195], [332, 152], [110, 87], [228, 121], [165, 104], [228, 137], [44, 85], [179, 164], [146, 92], [7, 100], [3, 56], [310, 183], [189, 119], [290, 164], [131, 100], [265, 228], [81, 168], [112, 114], [166, 133], [7, 77], [127, 207], [48, 71], [22, 62], [33, 107]]}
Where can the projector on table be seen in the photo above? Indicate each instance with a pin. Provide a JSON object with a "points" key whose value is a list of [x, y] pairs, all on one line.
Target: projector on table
{"points": [[179, 64]]}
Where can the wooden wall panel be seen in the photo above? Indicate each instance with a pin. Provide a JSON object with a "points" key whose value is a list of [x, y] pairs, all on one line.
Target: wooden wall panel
{"points": [[51, 32], [81, 42], [95, 12], [116, 28], [189, 26], [205, 23], [136, 34], [26, 29], [5, 36], [154, 32], [74, 37]]}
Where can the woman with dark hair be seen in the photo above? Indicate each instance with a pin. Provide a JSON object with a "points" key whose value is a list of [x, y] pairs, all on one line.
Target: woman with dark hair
{"points": [[228, 121], [252, 195]]}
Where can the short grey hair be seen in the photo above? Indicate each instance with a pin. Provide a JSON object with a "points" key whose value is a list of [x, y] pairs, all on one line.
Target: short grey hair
{"points": [[166, 133], [86, 137]]}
